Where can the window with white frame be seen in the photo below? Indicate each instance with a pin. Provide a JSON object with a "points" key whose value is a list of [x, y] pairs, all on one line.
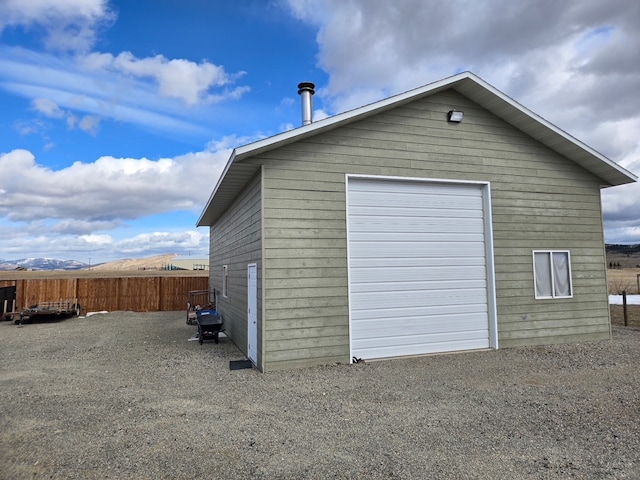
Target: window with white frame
{"points": [[552, 274], [225, 281]]}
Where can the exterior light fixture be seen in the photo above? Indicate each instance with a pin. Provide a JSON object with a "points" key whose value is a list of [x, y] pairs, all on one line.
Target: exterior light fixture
{"points": [[455, 116]]}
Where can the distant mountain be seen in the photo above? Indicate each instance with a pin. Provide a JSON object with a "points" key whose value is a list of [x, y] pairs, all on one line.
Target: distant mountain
{"points": [[41, 264], [624, 249]]}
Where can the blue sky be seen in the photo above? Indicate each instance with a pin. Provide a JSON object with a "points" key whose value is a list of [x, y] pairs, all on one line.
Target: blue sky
{"points": [[118, 116]]}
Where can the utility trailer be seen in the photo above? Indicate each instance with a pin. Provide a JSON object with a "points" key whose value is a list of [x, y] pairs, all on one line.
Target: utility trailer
{"points": [[57, 310]]}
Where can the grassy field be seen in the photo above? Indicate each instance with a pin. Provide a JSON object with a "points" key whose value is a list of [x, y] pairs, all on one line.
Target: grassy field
{"points": [[625, 279], [626, 258]]}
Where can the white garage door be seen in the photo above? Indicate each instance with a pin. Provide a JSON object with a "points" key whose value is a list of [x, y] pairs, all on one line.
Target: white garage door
{"points": [[417, 267]]}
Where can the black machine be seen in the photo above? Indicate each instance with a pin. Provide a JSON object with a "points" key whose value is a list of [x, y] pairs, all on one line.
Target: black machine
{"points": [[209, 325]]}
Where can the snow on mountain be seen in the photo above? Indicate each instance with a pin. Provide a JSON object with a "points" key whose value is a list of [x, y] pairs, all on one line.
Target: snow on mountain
{"points": [[41, 264]]}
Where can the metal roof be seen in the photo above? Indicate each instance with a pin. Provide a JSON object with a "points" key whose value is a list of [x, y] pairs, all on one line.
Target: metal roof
{"points": [[237, 174]]}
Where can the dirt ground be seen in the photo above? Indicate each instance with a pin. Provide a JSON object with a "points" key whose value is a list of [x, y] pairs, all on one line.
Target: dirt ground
{"points": [[131, 395]]}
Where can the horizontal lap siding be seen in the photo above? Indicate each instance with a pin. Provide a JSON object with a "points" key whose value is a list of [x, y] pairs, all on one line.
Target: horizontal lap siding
{"points": [[306, 300], [540, 201], [236, 241]]}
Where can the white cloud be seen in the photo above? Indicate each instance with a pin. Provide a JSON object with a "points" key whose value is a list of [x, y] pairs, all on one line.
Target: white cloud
{"points": [[47, 107], [540, 52], [230, 142], [89, 124], [81, 208], [97, 240], [178, 78], [286, 103], [100, 89], [107, 190], [150, 91], [162, 242], [70, 25], [97, 248], [30, 126], [72, 120]]}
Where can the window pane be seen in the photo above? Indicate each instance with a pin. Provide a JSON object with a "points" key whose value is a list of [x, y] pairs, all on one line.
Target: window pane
{"points": [[225, 280], [542, 265], [561, 276]]}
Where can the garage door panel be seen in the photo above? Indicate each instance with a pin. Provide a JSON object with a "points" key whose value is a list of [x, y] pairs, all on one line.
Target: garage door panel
{"points": [[414, 213], [438, 249], [422, 338], [369, 300], [392, 273], [417, 259], [415, 287], [382, 185], [405, 195], [414, 325], [393, 237], [365, 227], [362, 264], [383, 313], [368, 185], [432, 346]]}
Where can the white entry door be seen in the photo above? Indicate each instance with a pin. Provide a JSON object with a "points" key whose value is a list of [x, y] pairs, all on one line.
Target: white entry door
{"points": [[252, 312]]}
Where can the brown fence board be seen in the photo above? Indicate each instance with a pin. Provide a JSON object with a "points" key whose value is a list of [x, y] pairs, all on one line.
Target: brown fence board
{"points": [[175, 289], [137, 294]]}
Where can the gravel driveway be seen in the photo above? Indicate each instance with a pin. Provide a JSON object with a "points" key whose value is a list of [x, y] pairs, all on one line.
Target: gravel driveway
{"points": [[126, 395]]}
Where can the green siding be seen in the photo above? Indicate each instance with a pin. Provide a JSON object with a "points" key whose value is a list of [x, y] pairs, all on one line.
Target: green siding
{"points": [[540, 200], [236, 241]]}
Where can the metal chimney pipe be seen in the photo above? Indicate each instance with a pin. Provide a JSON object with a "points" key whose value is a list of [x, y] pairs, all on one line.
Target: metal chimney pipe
{"points": [[305, 90]]}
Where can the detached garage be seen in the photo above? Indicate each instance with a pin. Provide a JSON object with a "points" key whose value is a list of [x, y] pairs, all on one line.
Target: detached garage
{"points": [[447, 218]]}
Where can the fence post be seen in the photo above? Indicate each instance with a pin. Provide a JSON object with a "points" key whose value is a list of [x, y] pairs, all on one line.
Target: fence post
{"points": [[624, 307]]}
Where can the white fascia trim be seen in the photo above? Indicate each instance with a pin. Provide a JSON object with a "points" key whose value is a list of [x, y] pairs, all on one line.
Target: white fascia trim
{"points": [[491, 268], [346, 211]]}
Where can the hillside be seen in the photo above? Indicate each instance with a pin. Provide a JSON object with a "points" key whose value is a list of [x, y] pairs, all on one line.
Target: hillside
{"points": [[627, 256], [149, 263], [141, 267]]}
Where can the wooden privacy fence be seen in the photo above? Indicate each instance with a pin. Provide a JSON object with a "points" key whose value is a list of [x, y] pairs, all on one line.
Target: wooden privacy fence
{"points": [[137, 294]]}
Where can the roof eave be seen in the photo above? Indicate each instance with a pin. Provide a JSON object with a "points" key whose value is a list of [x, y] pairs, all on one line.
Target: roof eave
{"points": [[207, 209]]}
